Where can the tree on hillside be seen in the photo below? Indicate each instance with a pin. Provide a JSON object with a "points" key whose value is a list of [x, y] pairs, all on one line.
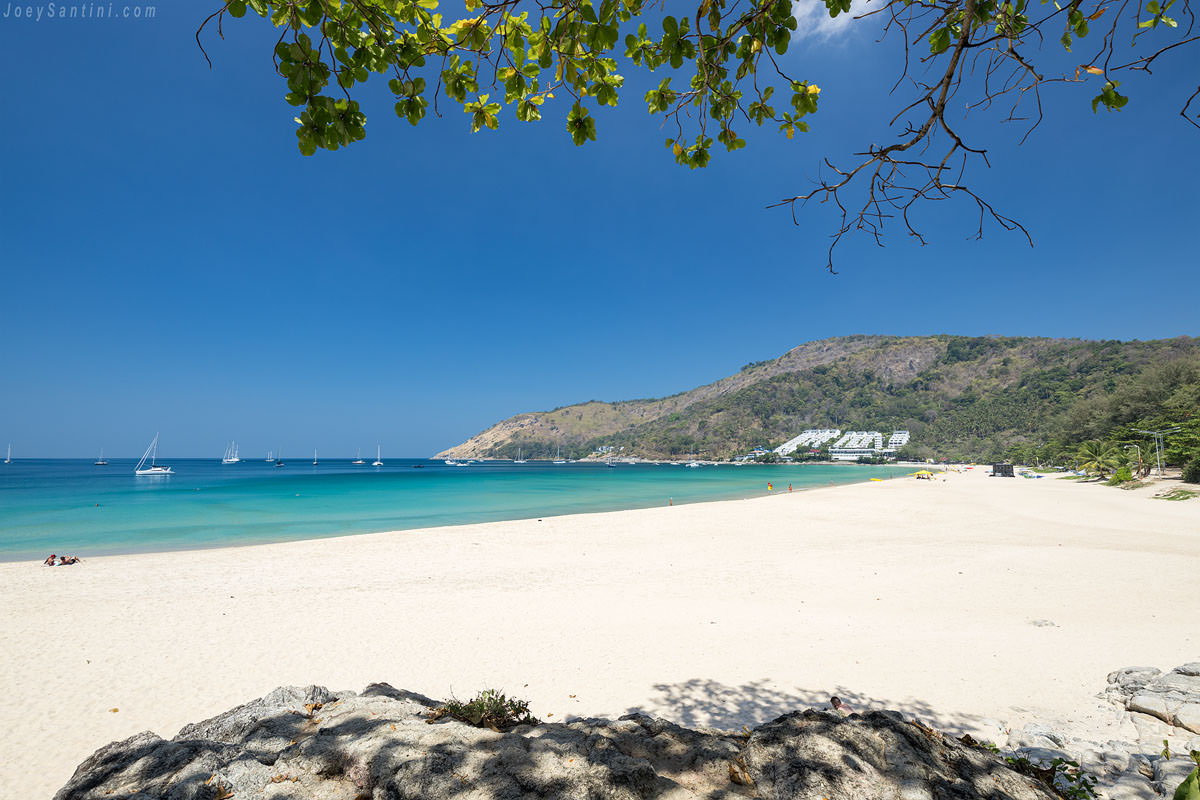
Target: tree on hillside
{"points": [[980, 55]]}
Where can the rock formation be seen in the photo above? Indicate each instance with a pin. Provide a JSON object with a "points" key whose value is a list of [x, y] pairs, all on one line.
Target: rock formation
{"points": [[1173, 697], [312, 743]]}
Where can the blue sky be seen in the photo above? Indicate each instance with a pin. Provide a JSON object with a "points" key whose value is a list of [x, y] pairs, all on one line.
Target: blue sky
{"points": [[170, 262]]}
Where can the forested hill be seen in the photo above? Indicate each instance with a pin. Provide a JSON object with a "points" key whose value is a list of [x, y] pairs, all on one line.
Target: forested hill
{"points": [[961, 397]]}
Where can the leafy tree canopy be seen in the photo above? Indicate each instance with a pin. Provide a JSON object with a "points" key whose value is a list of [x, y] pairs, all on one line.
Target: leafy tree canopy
{"points": [[725, 73]]}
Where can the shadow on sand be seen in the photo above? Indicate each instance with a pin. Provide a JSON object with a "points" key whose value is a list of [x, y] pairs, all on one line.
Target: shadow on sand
{"points": [[705, 703]]}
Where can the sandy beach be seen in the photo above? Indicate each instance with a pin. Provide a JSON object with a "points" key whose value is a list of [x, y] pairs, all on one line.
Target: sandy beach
{"points": [[970, 602]]}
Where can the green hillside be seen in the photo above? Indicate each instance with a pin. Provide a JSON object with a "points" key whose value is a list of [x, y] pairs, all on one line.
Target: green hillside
{"points": [[962, 398]]}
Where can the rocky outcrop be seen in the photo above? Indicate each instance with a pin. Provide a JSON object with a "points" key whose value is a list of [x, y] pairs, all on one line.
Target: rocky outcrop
{"points": [[876, 756], [1173, 697], [377, 745]]}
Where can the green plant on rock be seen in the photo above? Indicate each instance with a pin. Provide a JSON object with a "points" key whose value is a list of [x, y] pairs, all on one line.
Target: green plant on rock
{"points": [[488, 709], [1064, 776], [1190, 788]]}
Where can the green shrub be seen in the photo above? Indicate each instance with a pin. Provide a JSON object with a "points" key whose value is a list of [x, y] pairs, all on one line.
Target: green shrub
{"points": [[1191, 471], [1122, 475], [488, 709]]}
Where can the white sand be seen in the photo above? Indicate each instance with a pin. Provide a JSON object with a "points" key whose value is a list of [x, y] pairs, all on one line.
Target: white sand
{"points": [[910, 594]]}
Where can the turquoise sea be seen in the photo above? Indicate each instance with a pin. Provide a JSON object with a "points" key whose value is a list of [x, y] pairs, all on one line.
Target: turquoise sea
{"points": [[75, 507]]}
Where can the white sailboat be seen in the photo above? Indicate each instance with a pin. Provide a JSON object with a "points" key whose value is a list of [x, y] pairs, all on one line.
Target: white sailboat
{"points": [[100, 462], [270, 457], [314, 456], [518, 459], [154, 469], [558, 459], [231, 454], [8, 458], [358, 459], [378, 462]]}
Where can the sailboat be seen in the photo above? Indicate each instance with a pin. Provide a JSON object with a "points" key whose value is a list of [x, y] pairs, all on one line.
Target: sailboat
{"points": [[154, 469], [558, 459], [8, 458], [358, 459], [270, 457], [314, 456], [100, 462], [518, 459], [231, 454], [378, 462], [279, 458]]}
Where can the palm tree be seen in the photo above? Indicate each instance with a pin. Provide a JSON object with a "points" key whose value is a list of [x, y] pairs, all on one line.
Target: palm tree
{"points": [[1098, 457]]}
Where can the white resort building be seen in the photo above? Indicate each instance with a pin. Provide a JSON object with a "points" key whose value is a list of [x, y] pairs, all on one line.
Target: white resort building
{"points": [[810, 439], [849, 446], [859, 444]]}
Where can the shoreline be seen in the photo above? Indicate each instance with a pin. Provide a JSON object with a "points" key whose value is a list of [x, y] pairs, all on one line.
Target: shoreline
{"points": [[16, 556], [719, 613], [431, 529]]}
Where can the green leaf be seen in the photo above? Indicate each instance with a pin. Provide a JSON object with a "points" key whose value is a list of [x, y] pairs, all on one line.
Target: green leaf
{"points": [[1190, 788], [939, 41]]}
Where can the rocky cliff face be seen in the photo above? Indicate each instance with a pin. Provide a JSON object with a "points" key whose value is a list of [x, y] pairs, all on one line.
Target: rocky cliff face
{"points": [[379, 745]]}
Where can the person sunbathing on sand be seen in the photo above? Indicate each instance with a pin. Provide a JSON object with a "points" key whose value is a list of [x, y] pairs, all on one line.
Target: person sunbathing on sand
{"points": [[66, 560], [49, 562], [840, 707]]}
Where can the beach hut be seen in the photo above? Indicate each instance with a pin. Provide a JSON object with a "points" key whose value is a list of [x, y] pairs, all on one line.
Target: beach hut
{"points": [[1003, 471]]}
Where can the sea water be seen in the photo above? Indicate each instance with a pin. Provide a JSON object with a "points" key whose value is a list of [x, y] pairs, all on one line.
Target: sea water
{"points": [[76, 507]]}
